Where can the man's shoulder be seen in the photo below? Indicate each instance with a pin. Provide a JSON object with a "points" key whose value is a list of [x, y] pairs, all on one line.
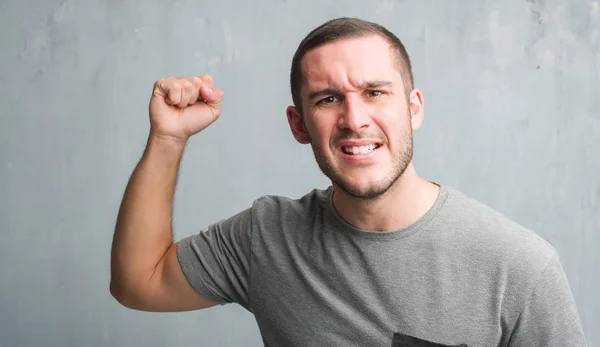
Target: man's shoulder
{"points": [[480, 225]]}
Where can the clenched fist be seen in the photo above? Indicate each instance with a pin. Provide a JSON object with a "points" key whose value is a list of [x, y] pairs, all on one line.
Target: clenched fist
{"points": [[181, 107]]}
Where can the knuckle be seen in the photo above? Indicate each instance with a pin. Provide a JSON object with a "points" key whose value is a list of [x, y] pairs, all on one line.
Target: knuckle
{"points": [[186, 85], [196, 81], [159, 83], [206, 78], [168, 83]]}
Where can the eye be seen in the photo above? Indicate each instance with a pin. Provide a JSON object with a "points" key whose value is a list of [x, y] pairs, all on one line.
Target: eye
{"points": [[375, 93], [327, 100]]}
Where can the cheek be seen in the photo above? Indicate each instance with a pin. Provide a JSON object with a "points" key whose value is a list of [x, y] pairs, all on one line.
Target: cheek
{"points": [[394, 123], [320, 129]]}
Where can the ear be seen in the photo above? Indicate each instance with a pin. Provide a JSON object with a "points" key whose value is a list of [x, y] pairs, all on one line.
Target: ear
{"points": [[297, 125], [416, 107]]}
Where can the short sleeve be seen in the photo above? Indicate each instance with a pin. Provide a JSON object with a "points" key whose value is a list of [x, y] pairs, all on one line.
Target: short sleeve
{"points": [[550, 316], [216, 262]]}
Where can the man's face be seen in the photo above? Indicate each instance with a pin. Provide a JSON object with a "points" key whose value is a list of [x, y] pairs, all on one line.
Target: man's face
{"points": [[356, 115]]}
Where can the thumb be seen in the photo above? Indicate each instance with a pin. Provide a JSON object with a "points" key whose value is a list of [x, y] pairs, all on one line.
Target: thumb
{"points": [[211, 96]]}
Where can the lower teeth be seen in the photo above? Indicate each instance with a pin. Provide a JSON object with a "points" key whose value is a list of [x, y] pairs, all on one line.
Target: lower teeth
{"points": [[365, 152]]}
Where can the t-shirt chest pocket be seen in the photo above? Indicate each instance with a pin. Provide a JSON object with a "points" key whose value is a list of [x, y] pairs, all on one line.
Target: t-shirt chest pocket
{"points": [[401, 340]]}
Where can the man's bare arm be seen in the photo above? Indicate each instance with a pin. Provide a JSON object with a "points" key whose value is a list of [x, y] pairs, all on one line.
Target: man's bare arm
{"points": [[145, 272]]}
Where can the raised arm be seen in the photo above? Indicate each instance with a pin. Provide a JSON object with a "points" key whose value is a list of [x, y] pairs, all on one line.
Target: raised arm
{"points": [[145, 272]]}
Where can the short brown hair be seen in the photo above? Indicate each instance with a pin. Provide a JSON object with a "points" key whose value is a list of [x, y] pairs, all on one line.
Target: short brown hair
{"points": [[342, 28]]}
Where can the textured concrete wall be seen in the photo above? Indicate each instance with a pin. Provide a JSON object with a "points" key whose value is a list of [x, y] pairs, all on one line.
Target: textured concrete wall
{"points": [[511, 88]]}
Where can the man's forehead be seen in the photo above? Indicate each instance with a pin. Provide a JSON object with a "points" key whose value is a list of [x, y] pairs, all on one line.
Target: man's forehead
{"points": [[354, 61]]}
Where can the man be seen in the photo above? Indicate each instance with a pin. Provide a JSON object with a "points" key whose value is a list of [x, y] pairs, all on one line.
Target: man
{"points": [[383, 257]]}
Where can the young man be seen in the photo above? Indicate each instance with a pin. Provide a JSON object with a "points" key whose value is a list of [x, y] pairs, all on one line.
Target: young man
{"points": [[383, 257]]}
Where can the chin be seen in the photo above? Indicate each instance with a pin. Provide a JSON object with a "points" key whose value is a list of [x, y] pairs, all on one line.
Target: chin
{"points": [[366, 191], [367, 183]]}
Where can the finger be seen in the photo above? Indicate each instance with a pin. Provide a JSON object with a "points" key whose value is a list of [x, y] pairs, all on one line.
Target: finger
{"points": [[162, 88], [172, 92], [197, 84], [208, 80], [187, 91]]}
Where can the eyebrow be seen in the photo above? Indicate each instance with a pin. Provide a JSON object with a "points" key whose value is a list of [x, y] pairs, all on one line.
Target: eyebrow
{"points": [[376, 84], [333, 91]]}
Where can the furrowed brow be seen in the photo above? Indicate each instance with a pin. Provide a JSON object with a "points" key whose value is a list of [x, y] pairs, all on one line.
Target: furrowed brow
{"points": [[376, 84]]}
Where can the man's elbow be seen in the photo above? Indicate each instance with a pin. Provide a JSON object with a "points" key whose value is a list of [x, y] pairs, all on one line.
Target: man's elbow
{"points": [[127, 297]]}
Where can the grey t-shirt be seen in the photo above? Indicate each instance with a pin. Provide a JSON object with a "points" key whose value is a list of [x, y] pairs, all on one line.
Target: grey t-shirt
{"points": [[463, 275]]}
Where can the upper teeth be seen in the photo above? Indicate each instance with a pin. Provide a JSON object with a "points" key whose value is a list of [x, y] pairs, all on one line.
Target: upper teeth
{"points": [[359, 149]]}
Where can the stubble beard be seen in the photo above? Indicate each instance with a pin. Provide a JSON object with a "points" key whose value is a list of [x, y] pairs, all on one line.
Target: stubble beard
{"points": [[400, 161]]}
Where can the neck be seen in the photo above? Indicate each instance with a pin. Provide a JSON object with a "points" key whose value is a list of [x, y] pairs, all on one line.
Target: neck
{"points": [[402, 205]]}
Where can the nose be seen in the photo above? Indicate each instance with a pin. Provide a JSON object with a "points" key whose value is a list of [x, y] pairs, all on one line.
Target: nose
{"points": [[355, 113]]}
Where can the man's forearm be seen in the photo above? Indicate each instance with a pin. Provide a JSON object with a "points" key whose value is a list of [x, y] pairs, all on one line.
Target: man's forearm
{"points": [[143, 231]]}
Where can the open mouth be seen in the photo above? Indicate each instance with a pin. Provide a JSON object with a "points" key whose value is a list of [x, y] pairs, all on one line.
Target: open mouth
{"points": [[357, 150]]}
